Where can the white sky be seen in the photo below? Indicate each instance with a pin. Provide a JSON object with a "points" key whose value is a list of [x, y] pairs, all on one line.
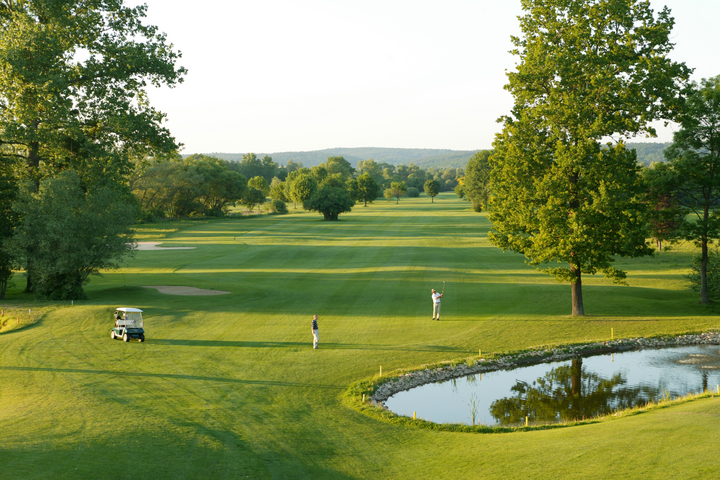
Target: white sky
{"points": [[295, 75]]}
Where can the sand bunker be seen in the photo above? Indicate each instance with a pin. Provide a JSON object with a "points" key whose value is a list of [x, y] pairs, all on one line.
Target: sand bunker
{"points": [[173, 290], [154, 246]]}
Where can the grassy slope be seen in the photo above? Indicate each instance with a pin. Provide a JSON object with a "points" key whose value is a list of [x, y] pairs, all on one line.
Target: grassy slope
{"points": [[228, 386]]}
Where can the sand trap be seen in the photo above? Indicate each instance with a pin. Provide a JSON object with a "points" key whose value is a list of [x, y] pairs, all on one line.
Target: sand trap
{"points": [[154, 246], [173, 290]]}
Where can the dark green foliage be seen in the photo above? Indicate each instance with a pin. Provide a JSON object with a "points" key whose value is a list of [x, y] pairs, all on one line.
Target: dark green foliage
{"points": [[330, 202], [252, 197], [365, 189], [69, 232], [8, 221], [196, 185], [413, 192], [432, 188], [278, 206], [476, 188], [691, 180], [712, 275]]}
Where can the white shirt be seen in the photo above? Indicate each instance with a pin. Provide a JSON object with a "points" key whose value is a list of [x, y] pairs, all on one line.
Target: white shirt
{"points": [[436, 297]]}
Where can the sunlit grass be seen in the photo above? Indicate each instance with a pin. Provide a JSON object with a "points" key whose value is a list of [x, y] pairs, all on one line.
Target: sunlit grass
{"points": [[229, 387]]}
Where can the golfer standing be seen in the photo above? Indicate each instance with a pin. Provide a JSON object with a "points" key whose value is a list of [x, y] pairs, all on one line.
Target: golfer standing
{"points": [[436, 304], [316, 335]]}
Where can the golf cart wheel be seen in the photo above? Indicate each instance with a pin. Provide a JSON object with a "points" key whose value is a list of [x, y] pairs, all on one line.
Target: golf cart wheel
{"points": [[112, 334], [125, 338], [142, 337]]}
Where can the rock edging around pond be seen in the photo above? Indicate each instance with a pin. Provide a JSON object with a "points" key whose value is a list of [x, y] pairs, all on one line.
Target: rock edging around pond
{"points": [[399, 383]]}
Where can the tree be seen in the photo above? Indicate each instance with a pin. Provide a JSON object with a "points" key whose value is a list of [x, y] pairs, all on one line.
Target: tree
{"points": [[259, 183], [692, 176], [73, 77], [70, 233], [396, 190], [8, 221], [589, 70], [476, 184], [302, 188], [460, 191], [277, 190], [367, 188], [253, 197], [330, 202], [432, 188], [339, 165]]}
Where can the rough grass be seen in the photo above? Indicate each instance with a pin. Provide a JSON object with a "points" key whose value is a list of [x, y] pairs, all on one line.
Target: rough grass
{"points": [[229, 386]]}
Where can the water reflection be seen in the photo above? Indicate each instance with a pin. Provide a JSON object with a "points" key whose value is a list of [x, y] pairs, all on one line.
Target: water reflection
{"points": [[566, 393]]}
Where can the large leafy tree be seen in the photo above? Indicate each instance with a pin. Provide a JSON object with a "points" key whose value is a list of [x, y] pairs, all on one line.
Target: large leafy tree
{"points": [[73, 76], [329, 202], [589, 70], [73, 232], [690, 182]]}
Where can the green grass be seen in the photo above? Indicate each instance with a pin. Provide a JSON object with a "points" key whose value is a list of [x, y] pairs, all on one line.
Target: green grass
{"points": [[229, 386]]}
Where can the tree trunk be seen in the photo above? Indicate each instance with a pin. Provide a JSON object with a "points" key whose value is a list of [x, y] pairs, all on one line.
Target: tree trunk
{"points": [[576, 376], [576, 290], [432, 199], [704, 298]]}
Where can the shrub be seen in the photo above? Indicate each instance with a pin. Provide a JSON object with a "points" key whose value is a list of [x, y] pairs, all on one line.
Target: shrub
{"points": [[278, 206], [413, 192]]}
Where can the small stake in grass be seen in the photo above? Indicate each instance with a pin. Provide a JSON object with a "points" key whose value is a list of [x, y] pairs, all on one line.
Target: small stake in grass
{"points": [[718, 388], [612, 334], [414, 417], [363, 398], [381, 370], [526, 420]]}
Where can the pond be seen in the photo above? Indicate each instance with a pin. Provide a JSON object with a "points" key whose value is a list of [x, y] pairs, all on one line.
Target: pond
{"points": [[564, 391]]}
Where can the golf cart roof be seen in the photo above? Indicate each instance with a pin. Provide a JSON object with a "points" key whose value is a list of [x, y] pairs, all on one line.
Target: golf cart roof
{"points": [[128, 309]]}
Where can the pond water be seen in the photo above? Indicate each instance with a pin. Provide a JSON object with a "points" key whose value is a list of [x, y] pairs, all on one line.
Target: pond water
{"points": [[564, 391]]}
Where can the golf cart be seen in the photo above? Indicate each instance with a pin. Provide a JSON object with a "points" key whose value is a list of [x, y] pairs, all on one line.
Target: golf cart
{"points": [[128, 324]]}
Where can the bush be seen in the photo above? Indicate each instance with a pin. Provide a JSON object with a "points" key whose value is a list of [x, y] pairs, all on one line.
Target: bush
{"points": [[278, 206], [413, 192], [713, 274]]}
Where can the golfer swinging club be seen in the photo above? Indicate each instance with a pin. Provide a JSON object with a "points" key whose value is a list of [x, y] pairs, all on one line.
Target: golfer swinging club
{"points": [[436, 304]]}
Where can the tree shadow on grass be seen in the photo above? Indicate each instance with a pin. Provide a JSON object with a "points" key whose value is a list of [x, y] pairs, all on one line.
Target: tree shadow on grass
{"points": [[87, 371], [324, 346]]}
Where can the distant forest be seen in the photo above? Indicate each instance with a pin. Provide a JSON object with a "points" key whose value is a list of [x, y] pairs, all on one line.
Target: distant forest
{"points": [[422, 157]]}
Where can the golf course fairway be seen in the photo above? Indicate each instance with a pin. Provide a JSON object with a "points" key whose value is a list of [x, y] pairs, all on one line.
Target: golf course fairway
{"points": [[228, 386]]}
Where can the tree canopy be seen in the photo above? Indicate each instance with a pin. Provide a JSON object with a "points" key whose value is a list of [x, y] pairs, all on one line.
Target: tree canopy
{"points": [[73, 79], [330, 202], [690, 182], [588, 70], [432, 188]]}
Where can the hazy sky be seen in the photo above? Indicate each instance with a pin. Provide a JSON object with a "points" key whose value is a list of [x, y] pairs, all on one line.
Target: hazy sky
{"points": [[295, 75]]}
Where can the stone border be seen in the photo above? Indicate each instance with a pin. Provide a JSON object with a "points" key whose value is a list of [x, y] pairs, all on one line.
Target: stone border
{"points": [[402, 382]]}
